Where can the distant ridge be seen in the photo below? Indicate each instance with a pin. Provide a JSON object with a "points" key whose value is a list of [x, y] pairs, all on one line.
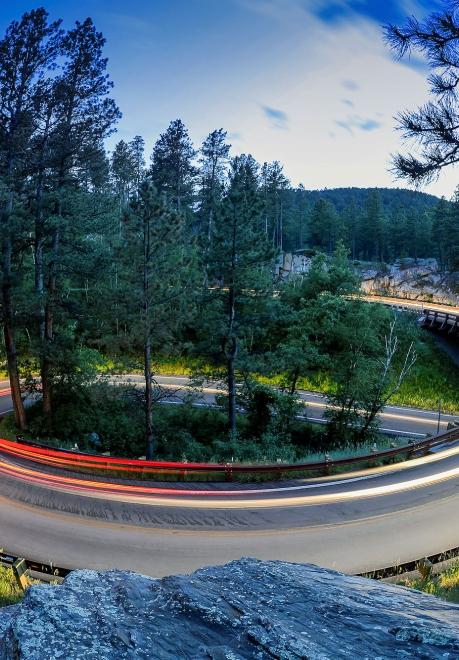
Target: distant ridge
{"points": [[391, 198]]}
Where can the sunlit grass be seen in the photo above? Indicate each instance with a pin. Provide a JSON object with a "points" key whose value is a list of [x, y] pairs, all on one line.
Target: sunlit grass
{"points": [[10, 593], [444, 585], [434, 378]]}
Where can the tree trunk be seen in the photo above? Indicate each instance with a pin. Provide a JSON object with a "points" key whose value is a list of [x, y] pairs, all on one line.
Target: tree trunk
{"points": [[46, 379], [8, 321], [149, 440], [231, 352], [11, 356]]}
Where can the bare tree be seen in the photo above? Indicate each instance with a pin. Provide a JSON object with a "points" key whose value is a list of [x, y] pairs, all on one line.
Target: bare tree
{"points": [[366, 386]]}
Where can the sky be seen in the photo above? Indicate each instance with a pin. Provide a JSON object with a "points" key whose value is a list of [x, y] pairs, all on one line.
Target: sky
{"points": [[307, 82]]}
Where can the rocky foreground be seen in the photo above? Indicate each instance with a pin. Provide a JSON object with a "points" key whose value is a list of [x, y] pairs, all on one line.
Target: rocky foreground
{"points": [[246, 609]]}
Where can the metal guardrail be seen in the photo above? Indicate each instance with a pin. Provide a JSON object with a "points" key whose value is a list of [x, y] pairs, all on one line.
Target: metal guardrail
{"points": [[102, 464], [23, 569]]}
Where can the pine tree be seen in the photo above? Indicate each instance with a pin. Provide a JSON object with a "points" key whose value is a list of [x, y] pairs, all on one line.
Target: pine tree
{"points": [[122, 167], [440, 232], [323, 226], [83, 115], [240, 267], [28, 50], [373, 225], [172, 170], [274, 184], [214, 164], [156, 266], [434, 127]]}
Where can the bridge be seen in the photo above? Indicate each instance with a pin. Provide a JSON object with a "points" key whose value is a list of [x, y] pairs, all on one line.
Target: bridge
{"points": [[441, 318]]}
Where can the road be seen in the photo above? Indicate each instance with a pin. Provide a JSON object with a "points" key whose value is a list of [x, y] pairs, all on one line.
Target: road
{"points": [[415, 305], [359, 522], [399, 420]]}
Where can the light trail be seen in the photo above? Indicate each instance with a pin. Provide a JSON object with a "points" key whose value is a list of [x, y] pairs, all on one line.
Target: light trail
{"points": [[188, 498]]}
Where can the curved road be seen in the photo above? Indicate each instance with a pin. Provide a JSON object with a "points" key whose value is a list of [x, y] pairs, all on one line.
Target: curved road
{"points": [[356, 523]]}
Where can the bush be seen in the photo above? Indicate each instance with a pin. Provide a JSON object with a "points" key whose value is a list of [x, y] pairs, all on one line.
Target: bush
{"points": [[100, 409]]}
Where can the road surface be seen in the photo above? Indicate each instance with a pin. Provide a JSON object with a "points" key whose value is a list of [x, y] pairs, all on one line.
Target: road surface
{"points": [[399, 420], [359, 522]]}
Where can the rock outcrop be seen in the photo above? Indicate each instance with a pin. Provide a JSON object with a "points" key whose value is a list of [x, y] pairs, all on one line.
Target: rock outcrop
{"points": [[414, 280], [246, 609], [420, 280]]}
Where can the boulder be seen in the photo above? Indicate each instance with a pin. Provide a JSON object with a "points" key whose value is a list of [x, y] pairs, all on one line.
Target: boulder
{"points": [[245, 609]]}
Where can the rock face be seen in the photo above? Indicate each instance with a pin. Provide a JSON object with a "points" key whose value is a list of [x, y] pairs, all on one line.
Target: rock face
{"points": [[246, 609], [421, 280], [410, 279], [289, 264]]}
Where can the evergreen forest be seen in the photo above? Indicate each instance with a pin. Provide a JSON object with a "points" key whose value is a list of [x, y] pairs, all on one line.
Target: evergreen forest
{"points": [[125, 262]]}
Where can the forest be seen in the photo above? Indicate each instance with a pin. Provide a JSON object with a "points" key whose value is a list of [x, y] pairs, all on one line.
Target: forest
{"points": [[121, 261]]}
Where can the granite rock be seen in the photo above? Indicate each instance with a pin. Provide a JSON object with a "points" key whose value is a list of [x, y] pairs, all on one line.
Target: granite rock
{"points": [[245, 609]]}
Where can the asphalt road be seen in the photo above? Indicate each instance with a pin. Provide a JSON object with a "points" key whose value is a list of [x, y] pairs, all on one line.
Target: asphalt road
{"points": [[359, 522], [403, 421]]}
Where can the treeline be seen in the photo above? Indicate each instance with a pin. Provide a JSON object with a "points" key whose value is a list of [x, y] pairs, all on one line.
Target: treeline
{"points": [[114, 254], [380, 225]]}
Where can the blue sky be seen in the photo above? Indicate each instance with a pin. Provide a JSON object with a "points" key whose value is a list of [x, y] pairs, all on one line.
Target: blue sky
{"points": [[307, 82]]}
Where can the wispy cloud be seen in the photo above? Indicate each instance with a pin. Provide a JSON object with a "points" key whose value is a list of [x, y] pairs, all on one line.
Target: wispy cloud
{"points": [[358, 123], [278, 118], [350, 85], [348, 102], [128, 22], [235, 136]]}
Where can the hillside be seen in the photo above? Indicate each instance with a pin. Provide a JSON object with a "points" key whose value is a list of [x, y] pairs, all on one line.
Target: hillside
{"points": [[375, 224], [392, 199]]}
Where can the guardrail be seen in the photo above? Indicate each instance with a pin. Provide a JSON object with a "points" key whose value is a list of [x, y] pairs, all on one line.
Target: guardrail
{"points": [[23, 568], [183, 471]]}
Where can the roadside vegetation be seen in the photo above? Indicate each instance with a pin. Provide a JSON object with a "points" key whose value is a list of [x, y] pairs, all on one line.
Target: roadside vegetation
{"points": [[445, 585], [10, 593]]}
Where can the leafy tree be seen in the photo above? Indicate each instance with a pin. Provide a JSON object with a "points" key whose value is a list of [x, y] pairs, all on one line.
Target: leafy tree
{"points": [[367, 378]]}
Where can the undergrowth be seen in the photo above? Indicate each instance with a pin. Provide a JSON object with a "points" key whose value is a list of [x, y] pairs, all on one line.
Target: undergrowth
{"points": [[10, 593], [445, 585]]}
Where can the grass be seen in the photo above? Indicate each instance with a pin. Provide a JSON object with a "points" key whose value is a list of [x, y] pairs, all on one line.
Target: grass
{"points": [[434, 377], [445, 585], [10, 593]]}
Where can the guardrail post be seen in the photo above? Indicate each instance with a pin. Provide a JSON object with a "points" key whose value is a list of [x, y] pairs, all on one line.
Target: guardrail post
{"points": [[327, 464], [229, 472], [21, 573]]}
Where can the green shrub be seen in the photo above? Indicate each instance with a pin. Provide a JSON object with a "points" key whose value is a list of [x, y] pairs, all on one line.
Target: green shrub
{"points": [[10, 593]]}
